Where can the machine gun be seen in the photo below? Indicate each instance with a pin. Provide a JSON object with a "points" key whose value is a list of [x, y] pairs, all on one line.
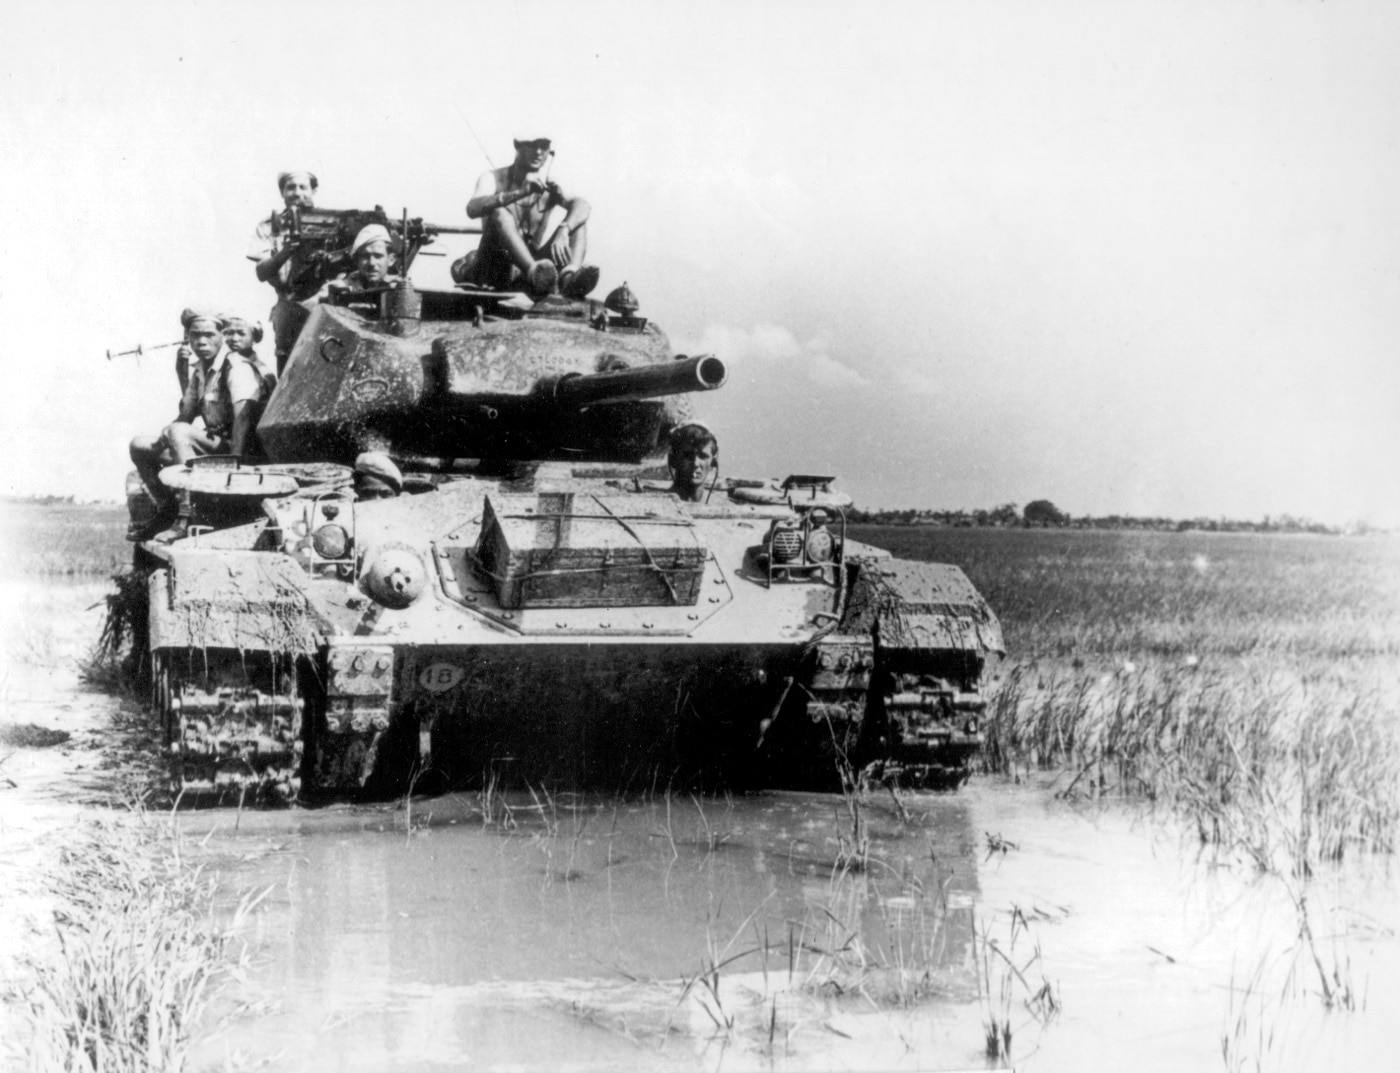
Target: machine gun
{"points": [[324, 238]]}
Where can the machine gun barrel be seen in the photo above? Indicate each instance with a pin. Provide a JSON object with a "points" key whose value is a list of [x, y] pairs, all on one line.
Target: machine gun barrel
{"points": [[704, 372]]}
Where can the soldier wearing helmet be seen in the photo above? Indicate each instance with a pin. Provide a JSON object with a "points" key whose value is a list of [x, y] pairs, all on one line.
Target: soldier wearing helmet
{"points": [[524, 242], [693, 456], [279, 262]]}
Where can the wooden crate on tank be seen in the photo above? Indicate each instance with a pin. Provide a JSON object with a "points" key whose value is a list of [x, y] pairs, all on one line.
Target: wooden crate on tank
{"points": [[567, 549]]}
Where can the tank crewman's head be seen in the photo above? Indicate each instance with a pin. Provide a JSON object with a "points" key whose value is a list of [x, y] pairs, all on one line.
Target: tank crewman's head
{"points": [[298, 188], [693, 453], [531, 152], [371, 253], [203, 333], [241, 334], [376, 476]]}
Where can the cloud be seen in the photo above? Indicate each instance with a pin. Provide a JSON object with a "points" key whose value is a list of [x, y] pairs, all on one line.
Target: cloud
{"points": [[771, 349]]}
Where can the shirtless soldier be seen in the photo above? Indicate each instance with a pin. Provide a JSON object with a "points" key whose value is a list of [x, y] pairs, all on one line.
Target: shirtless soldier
{"points": [[521, 245]]}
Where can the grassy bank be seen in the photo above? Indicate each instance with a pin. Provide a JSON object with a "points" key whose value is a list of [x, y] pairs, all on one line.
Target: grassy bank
{"points": [[127, 971]]}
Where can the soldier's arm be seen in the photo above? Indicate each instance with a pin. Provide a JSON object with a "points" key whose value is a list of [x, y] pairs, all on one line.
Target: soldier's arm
{"points": [[268, 267], [243, 417], [189, 403], [576, 208], [488, 197]]}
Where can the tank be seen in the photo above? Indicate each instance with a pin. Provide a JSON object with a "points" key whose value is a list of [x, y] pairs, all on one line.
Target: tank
{"points": [[535, 606]]}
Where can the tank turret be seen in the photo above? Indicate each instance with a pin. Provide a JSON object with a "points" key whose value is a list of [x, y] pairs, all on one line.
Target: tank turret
{"points": [[435, 376]]}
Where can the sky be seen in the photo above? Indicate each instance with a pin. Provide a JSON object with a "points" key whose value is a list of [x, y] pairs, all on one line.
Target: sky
{"points": [[1134, 258]]}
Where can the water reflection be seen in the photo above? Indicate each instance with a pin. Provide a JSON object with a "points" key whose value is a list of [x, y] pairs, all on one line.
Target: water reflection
{"points": [[578, 911]]}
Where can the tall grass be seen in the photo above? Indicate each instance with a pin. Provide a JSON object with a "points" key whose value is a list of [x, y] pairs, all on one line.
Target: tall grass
{"points": [[135, 952], [56, 540]]}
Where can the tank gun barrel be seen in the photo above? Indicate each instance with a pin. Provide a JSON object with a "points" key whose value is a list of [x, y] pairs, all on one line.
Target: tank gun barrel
{"points": [[704, 372]]}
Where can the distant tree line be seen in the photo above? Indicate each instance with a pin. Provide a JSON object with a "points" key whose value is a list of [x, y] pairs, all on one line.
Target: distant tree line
{"points": [[42, 501], [1043, 514]]}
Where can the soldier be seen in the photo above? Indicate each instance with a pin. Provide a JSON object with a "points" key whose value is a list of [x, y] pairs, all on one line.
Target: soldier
{"points": [[240, 338], [223, 393], [278, 262], [692, 457], [521, 244], [372, 252], [376, 476]]}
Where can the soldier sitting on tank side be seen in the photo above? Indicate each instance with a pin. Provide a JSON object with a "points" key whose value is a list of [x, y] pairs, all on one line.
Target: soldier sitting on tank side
{"points": [[522, 244], [279, 262], [692, 457], [224, 392]]}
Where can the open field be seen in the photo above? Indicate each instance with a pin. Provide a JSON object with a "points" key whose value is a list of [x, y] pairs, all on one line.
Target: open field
{"points": [[74, 540], [1094, 593], [1249, 683]]}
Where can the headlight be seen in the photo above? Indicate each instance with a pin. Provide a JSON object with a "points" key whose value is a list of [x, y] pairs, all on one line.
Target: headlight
{"points": [[331, 541]]}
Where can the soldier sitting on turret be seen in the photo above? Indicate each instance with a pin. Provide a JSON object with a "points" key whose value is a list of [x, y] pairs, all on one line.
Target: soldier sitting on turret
{"points": [[521, 245], [225, 392], [692, 458]]}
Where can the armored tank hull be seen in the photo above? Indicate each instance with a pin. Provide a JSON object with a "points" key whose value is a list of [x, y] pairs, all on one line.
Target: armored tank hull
{"points": [[534, 607]]}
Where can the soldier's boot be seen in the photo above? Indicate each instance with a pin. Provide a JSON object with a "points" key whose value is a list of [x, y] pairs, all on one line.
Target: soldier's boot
{"points": [[578, 283], [464, 268], [179, 528], [541, 279]]}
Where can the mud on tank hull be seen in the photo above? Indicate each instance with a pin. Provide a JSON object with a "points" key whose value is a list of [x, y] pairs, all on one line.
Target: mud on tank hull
{"points": [[291, 674]]}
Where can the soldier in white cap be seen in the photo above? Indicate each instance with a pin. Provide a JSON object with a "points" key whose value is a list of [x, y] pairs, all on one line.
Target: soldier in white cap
{"points": [[692, 456], [524, 241], [278, 262], [373, 255]]}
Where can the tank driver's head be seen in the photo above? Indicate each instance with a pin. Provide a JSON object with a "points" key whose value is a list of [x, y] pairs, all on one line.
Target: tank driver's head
{"points": [[692, 455]]}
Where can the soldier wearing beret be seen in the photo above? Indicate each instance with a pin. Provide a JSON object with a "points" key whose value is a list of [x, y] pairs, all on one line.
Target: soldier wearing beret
{"points": [[223, 395], [278, 261], [376, 476], [522, 242]]}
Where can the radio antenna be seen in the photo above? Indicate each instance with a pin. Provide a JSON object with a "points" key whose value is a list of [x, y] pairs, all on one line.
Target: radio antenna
{"points": [[471, 128]]}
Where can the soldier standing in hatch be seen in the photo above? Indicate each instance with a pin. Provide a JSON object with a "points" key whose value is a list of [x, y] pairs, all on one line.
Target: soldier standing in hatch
{"points": [[520, 245], [279, 262]]}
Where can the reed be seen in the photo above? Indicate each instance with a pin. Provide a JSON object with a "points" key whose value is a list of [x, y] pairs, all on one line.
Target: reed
{"points": [[136, 952]]}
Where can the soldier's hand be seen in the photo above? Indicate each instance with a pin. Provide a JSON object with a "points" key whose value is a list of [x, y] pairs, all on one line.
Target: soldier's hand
{"points": [[183, 354], [533, 185]]}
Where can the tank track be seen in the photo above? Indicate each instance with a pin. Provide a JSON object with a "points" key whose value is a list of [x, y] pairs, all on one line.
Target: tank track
{"points": [[232, 732]]}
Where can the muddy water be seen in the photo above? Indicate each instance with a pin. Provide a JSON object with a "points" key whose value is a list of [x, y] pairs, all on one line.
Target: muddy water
{"points": [[678, 933]]}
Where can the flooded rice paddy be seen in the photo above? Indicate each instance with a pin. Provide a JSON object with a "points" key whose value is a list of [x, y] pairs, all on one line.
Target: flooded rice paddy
{"points": [[539, 931]]}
